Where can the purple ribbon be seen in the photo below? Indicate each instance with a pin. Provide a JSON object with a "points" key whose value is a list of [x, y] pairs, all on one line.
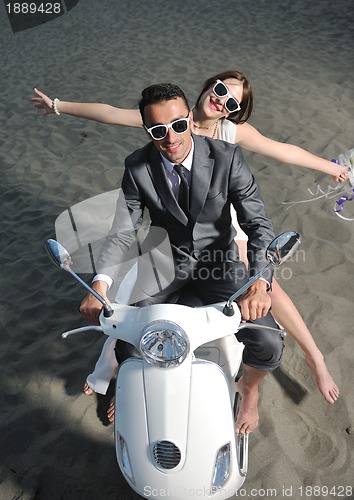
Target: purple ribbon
{"points": [[342, 200]]}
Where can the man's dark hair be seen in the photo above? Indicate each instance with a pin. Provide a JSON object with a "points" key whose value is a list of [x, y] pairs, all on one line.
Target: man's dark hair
{"points": [[160, 92]]}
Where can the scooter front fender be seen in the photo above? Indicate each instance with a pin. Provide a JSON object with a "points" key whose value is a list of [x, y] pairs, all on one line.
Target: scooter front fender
{"points": [[170, 425]]}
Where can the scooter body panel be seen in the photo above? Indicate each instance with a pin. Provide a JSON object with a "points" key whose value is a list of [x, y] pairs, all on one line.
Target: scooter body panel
{"points": [[182, 409], [202, 324]]}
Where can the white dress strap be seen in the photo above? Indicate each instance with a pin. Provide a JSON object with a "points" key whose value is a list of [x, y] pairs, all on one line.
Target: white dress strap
{"points": [[227, 131]]}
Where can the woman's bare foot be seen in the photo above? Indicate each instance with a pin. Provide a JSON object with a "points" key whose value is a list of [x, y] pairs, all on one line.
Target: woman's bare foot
{"points": [[87, 389], [325, 382]]}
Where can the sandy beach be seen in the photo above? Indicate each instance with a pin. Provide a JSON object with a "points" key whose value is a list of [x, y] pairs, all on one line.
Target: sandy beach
{"points": [[55, 443]]}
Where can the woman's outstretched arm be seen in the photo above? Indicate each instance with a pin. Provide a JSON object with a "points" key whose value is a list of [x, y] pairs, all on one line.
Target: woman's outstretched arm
{"points": [[99, 112], [249, 138]]}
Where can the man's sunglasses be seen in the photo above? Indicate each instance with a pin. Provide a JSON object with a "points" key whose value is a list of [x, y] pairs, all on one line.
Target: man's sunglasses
{"points": [[159, 132], [220, 90]]}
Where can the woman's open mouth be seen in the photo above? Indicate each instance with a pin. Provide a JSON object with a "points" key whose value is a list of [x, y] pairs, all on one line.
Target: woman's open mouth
{"points": [[214, 106]]}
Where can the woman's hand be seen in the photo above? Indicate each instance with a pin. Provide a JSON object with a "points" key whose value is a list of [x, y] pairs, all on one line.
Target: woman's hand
{"points": [[341, 174], [43, 102]]}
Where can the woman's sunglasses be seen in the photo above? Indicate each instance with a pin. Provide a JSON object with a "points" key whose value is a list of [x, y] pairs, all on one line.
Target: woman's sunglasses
{"points": [[159, 132], [220, 90]]}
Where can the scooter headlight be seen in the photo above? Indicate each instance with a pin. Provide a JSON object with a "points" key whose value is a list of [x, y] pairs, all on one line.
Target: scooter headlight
{"points": [[164, 344]]}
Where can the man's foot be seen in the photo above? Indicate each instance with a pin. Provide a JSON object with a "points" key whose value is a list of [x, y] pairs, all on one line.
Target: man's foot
{"points": [[325, 382], [87, 389], [247, 416], [110, 412]]}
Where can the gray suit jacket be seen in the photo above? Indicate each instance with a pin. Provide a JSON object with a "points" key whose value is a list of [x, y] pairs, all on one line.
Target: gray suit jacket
{"points": [[219, 177]]}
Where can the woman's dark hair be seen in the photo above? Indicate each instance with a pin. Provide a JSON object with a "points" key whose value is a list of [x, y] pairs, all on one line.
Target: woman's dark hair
{"points": [[160, 92], [246, 104]]}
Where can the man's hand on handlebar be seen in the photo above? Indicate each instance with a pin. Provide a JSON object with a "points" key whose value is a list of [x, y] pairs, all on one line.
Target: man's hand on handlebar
{"points": [[256, 303], [90, 307]]}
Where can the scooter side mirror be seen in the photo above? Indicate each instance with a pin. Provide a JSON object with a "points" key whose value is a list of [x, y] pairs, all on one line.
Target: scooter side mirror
{"points": [[278, 251], [282, 247], [58, 254], [62, 259]]}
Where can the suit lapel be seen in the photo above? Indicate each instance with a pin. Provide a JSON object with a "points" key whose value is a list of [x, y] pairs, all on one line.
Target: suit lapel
{"points": [[202, 171], [158, 175]]}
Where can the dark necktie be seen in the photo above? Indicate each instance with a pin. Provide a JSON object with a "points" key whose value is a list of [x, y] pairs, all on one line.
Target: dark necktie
{"points": [[183, 195]]}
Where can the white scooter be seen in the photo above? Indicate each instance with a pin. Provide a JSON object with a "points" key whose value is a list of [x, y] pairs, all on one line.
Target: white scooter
{"points": [[175, 406]]}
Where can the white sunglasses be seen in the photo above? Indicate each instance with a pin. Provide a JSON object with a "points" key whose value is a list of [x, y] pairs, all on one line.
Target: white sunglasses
{"points": [[220, 90], [159, 132]]}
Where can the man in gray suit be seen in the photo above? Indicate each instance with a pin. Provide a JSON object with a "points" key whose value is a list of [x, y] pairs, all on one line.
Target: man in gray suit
{"points": [[187, 183]]}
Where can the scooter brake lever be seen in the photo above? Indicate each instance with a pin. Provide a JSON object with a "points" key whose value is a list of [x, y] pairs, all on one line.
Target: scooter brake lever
{"points": [[82, 329]]}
